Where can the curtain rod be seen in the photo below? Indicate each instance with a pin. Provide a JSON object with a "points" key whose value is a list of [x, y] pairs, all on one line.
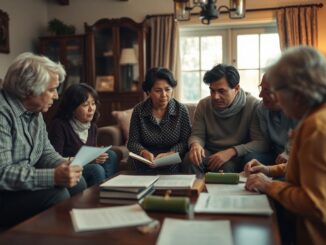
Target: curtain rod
{"points": [[319, 5]]}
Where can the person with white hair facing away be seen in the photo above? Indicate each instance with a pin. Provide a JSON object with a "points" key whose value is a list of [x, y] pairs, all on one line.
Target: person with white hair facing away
{"points": [[33, 176]]}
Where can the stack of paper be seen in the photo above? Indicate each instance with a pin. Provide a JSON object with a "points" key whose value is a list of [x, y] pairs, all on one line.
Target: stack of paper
{"points": [[106, 218], [179, 185], [126, 189], [193, 232], [233, 204]]}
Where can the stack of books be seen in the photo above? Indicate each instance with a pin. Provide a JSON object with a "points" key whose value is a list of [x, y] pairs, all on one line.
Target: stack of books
{"points": [[127, 189], [179, 185]]}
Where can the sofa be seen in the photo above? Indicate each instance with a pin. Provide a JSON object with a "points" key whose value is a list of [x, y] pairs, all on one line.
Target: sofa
{"points": [[117, 135]]}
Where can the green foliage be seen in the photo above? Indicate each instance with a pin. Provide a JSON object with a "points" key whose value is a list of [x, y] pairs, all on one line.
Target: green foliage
{"points": [[59, 28]]}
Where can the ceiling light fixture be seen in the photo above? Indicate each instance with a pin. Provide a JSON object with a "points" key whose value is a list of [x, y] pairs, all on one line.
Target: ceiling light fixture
{"points": [[209, 10]]}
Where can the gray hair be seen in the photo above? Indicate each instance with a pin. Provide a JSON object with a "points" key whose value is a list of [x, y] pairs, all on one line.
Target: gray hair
{"points": [[30, 74], [301, 70]]}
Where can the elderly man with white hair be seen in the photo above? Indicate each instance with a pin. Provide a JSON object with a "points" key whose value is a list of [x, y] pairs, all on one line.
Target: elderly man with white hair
{"points": [[33, 176]]}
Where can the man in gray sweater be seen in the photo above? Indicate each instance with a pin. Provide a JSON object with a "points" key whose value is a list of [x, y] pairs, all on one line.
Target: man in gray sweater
{"points": [[225, 125]]}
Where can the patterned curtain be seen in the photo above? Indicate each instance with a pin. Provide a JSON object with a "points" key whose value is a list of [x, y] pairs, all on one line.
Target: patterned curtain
{"points": [[297, 26]]}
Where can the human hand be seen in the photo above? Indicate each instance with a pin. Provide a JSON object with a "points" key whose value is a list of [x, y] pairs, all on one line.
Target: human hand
{"points": [[196, 154], [282, 158], [254, 166], [258, 182], [149, 156], [102, 158], [216, 160], [66, 175]]}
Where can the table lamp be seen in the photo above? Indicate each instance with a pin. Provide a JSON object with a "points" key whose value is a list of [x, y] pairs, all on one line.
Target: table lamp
{"points": [[128, 58]]}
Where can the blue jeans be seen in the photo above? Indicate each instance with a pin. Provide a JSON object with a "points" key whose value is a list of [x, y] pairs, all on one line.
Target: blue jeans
{"points": [[16, 206], [95, 173]]}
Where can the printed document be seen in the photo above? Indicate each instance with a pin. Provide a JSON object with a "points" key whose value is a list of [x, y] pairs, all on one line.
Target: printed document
{"points": [[163, 161], [233, 204], [180, 181], [194, 232], [130, 181], [227, 189], [87, 154], [107, 218]]}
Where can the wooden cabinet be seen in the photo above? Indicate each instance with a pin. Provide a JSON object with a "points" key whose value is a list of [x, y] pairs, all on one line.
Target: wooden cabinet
{"points": [[70, 52], [116, 63]]}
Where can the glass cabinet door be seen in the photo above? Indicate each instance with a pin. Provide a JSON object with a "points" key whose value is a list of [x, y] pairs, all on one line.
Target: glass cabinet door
{"points": [[104, 60], [52, 49], [129, 59], [74, 49]]}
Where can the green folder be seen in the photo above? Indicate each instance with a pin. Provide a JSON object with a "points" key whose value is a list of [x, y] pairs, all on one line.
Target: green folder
{"points": [[222, 178]]}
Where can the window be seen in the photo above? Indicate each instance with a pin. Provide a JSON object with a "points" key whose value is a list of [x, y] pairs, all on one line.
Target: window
{"points": [[248, 49]]}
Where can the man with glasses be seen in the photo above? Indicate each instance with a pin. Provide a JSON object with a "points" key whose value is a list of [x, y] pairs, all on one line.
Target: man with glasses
{"points": [[225, 127], [274, 125]]}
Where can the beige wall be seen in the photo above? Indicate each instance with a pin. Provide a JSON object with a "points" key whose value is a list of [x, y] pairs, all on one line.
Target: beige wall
{"points": [[26, 22]]}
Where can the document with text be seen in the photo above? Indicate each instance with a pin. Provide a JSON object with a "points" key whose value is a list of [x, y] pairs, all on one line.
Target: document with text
{"points": [[233, 204], [87, 154], [164, 161], [227, 189], [179, 181], [108, 218], [133, 181], [194, 232]]}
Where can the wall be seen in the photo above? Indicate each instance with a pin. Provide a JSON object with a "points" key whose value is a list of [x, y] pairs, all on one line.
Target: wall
{"points": [[26, 22], [80, 11]]}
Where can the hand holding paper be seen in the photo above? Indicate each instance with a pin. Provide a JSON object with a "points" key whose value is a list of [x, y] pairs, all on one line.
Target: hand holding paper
{"points": [[87, 154]]}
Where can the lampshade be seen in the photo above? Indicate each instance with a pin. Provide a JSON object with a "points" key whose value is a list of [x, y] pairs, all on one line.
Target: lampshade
{"points": [[128, 57]]}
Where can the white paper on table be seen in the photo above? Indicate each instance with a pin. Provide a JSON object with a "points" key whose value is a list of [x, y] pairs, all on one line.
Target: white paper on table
{"points": [[130, 181], [176, 181], [228, 189], [163, 161], [87, 154], [107, 218], [194, 232], [233, 204]]}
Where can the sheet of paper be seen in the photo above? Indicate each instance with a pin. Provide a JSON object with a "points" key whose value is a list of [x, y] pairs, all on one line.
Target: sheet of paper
{"points": [[167, 160], [194, 232], [87, 154], [227, 189], [175, 181], [130, 181], [233, 204], [107, 218]]}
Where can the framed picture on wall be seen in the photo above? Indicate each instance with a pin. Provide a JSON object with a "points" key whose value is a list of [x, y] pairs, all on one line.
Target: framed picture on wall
{"points": [[105, 83], [4, 32]]}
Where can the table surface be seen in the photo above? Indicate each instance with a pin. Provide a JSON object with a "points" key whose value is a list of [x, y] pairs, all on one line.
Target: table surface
{"points": [[54, 226]]}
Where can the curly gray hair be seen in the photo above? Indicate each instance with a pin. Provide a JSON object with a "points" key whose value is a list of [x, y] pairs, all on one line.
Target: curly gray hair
{"points": [[30, 74], [301, 70]]}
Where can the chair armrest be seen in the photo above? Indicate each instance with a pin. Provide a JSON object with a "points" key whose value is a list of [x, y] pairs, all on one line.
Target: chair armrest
{"points": [[109, 135]]}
